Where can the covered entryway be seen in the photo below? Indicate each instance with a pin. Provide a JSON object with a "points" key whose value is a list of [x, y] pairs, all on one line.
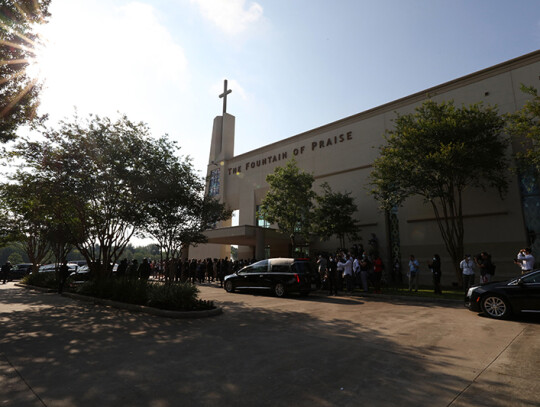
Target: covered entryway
{"points": [[255, 237]]}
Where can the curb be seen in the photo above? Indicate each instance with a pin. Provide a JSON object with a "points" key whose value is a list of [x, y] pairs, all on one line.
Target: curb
{"points": [[36, 288], [390, 297], [133, 307]]}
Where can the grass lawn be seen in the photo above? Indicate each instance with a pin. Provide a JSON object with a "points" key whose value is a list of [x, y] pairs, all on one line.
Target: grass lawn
{"points": [[426, 291]]}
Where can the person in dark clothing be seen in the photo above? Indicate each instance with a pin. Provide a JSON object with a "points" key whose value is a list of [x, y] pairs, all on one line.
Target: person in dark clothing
{"points": [[122, 269], [6, 268], [333, 278], [435, 266], [483, 261], [192, 271], [145, 270], [64, 274], [133, 270], [221, 270], [209, 270]]}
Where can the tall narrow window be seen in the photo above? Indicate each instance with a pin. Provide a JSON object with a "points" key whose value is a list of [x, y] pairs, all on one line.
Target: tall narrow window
{"points": [[213, 190], [260, 221]]}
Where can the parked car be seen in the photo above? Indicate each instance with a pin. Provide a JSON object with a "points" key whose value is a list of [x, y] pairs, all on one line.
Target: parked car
{"points": [[279, 275], [500, 300], [82, 273], [48, 268], [20, 270]]}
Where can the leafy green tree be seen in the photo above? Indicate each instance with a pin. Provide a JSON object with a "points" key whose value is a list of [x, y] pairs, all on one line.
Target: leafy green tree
{"points": [[525, 125], [19, 92], [177, 211], [25, 214], [289, 201], [100, 165], [334, 215], [15, 258], [437, 153]]}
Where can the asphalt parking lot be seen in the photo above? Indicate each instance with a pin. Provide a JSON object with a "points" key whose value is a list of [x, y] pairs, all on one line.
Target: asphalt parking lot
{"points": [[264, 351]]}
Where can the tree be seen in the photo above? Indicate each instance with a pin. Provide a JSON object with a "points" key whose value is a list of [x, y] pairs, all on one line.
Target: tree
{"points": [[437, 153], [101, 166], [25, 212], [334, 216], [525, 124], [177, 211], [289, 201], [18, 40]]}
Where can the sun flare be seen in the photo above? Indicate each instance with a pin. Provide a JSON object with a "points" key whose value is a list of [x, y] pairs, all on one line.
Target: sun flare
{"points": [[19, 84]]}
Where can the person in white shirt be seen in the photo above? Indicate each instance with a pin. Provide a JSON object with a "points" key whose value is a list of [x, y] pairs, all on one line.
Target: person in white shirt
{"points": [[525, 260], [347, 268], [356, 271], [467, 267]]}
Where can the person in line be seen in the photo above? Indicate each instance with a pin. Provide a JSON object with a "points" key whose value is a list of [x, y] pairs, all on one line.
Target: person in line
{"points": [[435, 266], [365, 265], [414, 269], [483, 261], [322, 263], [356, 271], [346, 266], [121, 271], [6, 268], [467, 267], [377, 274], [332, 276], [145, 270], [525, 260]]}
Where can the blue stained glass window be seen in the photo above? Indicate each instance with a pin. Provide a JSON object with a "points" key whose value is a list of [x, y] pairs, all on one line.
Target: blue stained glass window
{"points": [[213, 189]]}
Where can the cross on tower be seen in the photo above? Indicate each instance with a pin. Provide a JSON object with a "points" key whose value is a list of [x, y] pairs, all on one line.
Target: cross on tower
{"points": [[224, 96]]}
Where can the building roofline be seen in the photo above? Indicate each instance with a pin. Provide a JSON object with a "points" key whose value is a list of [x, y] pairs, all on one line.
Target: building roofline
{"points": [[494, 70]]}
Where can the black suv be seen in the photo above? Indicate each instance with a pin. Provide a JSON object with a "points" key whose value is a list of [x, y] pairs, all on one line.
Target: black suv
{"points": [[280, 276]]}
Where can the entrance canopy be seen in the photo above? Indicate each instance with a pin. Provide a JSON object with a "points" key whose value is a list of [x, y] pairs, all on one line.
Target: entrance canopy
{"points": [[246, 235]]}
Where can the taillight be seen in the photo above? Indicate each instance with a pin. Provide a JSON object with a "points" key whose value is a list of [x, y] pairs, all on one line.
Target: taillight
{"points": [[297, 278]]}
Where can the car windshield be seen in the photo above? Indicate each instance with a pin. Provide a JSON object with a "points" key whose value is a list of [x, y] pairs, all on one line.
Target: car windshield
{"points": [[531, 278]]}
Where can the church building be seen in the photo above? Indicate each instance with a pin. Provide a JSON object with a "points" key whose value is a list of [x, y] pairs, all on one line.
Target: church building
{"points": [[342, 153]]}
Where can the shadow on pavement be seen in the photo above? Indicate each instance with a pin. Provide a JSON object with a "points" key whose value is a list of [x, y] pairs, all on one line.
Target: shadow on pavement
{"points": [[77, 354]]}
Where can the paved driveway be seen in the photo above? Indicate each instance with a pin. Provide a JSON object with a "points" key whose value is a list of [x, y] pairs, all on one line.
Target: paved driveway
{"points": [[264, 351]]}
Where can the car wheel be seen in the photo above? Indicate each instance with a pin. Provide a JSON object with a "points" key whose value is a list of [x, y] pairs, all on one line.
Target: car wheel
{"points": [[229, 286], [495, 306], [279, 290]]}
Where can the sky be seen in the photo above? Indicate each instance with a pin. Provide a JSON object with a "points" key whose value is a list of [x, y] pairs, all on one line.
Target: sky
{"points": [[292, 65]]}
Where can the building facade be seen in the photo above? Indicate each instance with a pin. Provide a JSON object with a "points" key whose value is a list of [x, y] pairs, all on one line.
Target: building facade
{"points": [[342, 153]]}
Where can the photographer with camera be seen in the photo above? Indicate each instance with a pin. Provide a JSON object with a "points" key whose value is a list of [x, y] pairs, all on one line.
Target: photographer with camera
{"points": [[525, 260]]}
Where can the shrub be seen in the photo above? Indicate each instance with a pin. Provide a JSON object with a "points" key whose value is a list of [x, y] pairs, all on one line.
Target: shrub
{"points": [[47, 280], [176, 296]]}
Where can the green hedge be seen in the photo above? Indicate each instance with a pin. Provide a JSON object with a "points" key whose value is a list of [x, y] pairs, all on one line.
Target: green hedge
{"points": [[173, 296], [47, 280]]}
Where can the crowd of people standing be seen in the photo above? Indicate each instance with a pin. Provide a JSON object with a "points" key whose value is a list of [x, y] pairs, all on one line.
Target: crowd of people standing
{"points": [[345, 271], [341, 271], [188, 270]]}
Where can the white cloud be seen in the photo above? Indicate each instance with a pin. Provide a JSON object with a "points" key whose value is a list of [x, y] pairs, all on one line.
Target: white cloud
{"points": [[231, 16]]}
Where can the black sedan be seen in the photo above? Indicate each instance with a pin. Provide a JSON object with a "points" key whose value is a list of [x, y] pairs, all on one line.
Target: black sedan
{"points": [[279, 276], [502, 299]]}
